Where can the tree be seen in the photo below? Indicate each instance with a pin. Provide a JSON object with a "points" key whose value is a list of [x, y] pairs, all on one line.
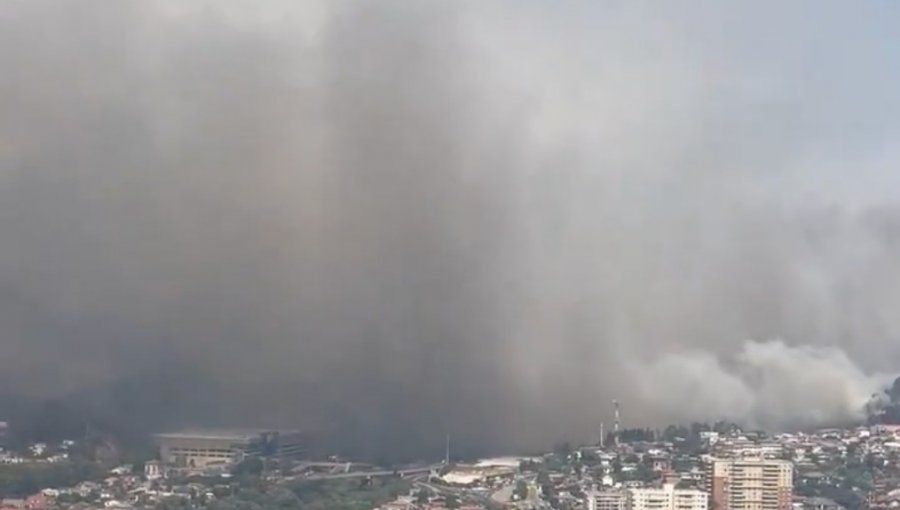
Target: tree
{"points": [[589, 457], [543, 478], [249, 466], [521, 490], [527, 466], [281, 498], [26, 479], [452, 502], [578, 469], [683, 484], [422, 496], [563, 450], [697, 428], [548, 491], [550, 495], [631, 436], [617, 466], [675, 432], [642, 473], [725, 427], [894, 392]]}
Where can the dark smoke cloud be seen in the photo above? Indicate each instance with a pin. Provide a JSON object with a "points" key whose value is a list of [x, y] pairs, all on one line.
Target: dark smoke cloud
{"points": [[387, 220]]}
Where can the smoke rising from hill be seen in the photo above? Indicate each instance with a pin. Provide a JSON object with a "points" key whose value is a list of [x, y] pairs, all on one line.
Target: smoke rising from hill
{"points": [[765, 383], [386, 220]]}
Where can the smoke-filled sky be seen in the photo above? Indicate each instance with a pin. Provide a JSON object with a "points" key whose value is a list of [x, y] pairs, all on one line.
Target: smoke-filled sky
{"points": [[393, 219]]}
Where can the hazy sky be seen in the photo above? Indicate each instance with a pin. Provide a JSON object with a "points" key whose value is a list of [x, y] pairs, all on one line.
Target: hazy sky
{"points": [[392, 219]]}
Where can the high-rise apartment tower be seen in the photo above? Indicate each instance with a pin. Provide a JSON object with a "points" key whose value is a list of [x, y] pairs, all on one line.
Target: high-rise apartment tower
{"points": [[750, 484]]}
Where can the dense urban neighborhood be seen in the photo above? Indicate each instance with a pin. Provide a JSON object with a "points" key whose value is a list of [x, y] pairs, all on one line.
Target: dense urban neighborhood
{"points": [[696, 467]]}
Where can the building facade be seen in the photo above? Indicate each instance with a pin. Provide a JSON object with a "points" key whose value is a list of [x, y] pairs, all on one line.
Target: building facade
{"points": [[750, 484], [153, 470], [198, 449], [606, 500], [666, 497]]}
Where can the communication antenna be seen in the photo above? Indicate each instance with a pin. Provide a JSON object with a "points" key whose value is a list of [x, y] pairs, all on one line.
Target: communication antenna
{"points": [[602, 436], [616, 425], [447, 451]]}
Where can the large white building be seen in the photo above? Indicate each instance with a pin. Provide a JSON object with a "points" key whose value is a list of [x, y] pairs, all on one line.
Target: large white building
{"points": [[606, 500], [666, 497], [197, 449]]}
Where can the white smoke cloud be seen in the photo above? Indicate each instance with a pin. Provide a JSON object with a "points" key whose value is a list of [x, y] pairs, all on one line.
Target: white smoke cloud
{"points": [[765, 384]]}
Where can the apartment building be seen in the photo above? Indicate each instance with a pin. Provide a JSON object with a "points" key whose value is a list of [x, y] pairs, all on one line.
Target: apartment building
{"points": [[666, 497], [750, 484], [606, 500]]}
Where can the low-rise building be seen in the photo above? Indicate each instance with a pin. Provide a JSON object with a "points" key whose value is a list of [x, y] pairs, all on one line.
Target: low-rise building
{"points": [[666, 497]]}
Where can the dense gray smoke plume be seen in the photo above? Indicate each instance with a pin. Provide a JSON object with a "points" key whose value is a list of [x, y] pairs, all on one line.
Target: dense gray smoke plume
{"points": [[386, 220]]}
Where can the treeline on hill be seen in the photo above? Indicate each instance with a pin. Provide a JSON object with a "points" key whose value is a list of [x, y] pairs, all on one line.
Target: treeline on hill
{"points": [[21, 480], [671, 433], [98, 439], [884, 408]]}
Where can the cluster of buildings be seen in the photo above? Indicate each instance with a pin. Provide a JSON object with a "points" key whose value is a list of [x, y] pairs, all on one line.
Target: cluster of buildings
{"points": [[685, 469], [38, 452], [829, 469], [731, 484], [725, 470], [437, 502], [854, 468], [121, 488], [208, 454], [485, 473]]}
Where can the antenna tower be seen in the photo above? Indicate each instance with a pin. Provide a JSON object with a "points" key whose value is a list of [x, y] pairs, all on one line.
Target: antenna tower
{"points": [[617, 424]]}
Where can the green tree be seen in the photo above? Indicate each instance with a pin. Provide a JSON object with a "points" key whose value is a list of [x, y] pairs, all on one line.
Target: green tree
{"points": [[543, 478], [617, 467], [19, 480], [253, 466], [563, 450], [521, 490], [578, 469], [529, 466]]}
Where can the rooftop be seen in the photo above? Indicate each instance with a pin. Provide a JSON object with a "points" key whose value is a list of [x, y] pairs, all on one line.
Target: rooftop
{"points": [[232, 434]]}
